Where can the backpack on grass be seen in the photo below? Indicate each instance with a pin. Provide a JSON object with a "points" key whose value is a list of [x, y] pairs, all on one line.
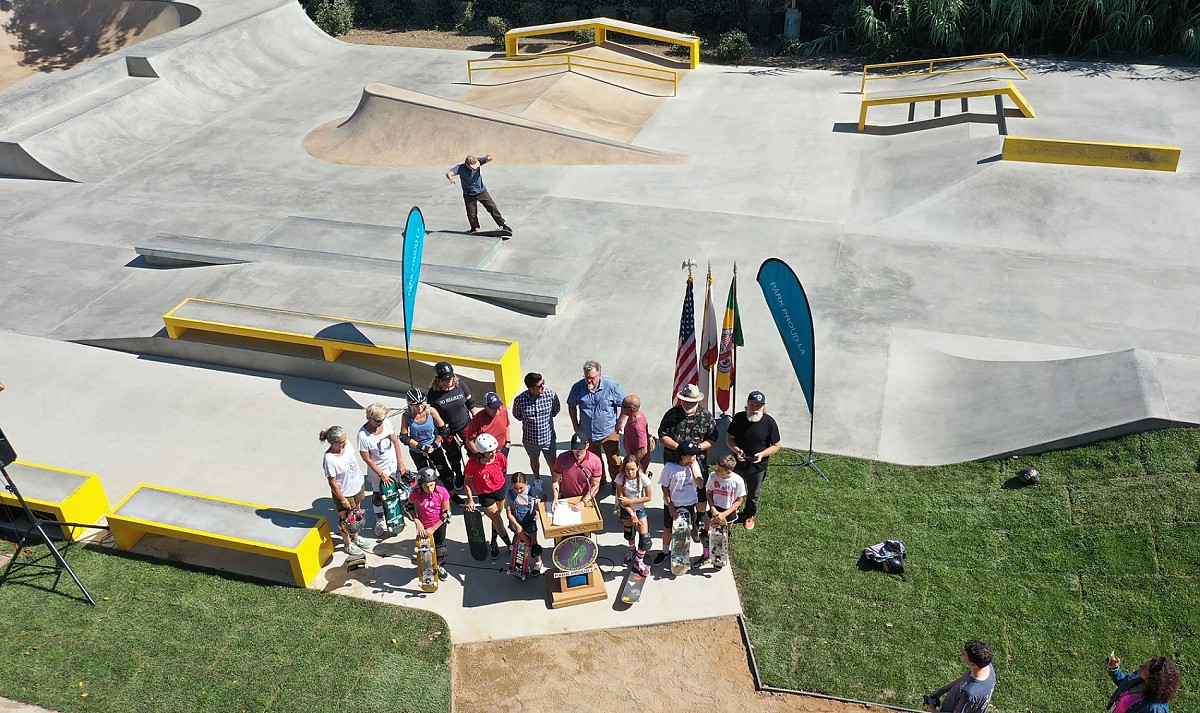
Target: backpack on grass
{"points": [[887, 555]]}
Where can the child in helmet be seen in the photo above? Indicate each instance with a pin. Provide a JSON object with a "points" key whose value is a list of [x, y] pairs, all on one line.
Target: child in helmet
{"points": [[487, 474], [430, 506]]}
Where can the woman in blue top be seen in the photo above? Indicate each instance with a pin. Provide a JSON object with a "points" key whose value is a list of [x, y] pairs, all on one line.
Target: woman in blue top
{"points": [[1148, 690], [421, 430]]}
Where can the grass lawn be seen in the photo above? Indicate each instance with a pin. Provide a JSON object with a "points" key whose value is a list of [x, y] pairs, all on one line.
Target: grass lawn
{"points": [[173, 639], [1103, 555]]}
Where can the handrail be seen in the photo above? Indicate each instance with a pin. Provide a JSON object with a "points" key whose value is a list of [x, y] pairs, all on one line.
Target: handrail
{"points": [[573, 59], [601, 26], [931, 71]]}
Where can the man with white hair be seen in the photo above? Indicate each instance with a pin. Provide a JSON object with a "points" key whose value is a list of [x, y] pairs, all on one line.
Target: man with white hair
{"points": [[753, 437]]}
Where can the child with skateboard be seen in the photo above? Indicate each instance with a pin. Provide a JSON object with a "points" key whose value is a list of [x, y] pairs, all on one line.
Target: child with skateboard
{"points": [[633, 492], [430, 504], [486, 473], [680, 483], [521, 506], [726, 490]]}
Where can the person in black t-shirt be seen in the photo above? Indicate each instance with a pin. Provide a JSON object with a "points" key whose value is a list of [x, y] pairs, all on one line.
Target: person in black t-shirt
{"points": [[453, 401], [753, 436]]}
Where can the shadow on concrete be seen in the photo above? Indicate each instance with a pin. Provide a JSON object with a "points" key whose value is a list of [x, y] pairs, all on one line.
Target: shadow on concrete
{"points": [[850, 127], [318, 393]]}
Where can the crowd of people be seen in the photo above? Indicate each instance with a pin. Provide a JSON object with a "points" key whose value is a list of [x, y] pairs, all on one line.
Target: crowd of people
{"points": [[459, 450]]}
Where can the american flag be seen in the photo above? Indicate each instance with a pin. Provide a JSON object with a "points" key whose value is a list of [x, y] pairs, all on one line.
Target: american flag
{"points": [[687, 371]]}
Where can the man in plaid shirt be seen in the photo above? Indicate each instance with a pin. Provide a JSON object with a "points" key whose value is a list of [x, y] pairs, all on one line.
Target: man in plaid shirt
{"points": [[536, 408]]}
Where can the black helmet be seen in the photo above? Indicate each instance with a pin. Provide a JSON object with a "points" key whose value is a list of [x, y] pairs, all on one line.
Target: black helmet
{"points": [[689, 448], [894, 565], [414, 396], [1029, 476], [426, 475], [443, 370]]}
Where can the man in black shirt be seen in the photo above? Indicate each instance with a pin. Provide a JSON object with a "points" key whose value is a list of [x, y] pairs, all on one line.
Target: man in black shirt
{"points": [[454, 403], [753, 437]]}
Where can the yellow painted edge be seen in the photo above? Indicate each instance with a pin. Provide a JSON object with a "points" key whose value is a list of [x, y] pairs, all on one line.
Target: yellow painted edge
{"points": [[50, 467], [1021, 148]]}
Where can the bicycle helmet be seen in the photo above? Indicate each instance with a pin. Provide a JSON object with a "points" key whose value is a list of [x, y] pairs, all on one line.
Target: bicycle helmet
{"points": [[414, 396], [426, 476], [1029, 476], [486, 443]]}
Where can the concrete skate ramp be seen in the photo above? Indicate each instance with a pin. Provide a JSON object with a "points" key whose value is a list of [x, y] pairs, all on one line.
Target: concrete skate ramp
{"points": [[44, 36], [946, 408], [398, 127]]}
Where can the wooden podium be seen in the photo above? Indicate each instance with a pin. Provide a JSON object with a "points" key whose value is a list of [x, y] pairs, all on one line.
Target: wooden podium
{"points": [[580, 582]]}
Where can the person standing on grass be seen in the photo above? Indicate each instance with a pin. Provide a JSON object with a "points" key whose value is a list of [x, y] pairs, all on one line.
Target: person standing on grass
{"points": [[474, 192], [535, 408], [753, 437], [346, 485], [594, 405], [1150, 689], [972, 691]]}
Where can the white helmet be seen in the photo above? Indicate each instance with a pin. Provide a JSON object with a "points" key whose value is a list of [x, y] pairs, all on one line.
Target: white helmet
{"points": [[486, 443]]}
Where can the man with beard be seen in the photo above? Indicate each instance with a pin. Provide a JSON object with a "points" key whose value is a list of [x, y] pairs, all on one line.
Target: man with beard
{"points": [[689, 421], [753, 437]]}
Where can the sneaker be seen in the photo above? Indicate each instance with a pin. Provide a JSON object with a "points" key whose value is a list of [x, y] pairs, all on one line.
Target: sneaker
{"points": [[442, 573], [353, 550], [473, 231], [640, 567], [458, 482], [456, 499], [495, 551], [658, 558], [749, 523], [381, 529], [701, 562], [361, 543], [506, 228], [628, 557]]}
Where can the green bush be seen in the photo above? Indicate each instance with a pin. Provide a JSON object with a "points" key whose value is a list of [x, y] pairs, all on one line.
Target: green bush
{"points": [[680, 19], [733, 47], [582, 37], [565, 13], [423, 13], [758, 23], [464, 15], [336, 17], [531, 13], [642, 16], [496, 27], [613, 12]]}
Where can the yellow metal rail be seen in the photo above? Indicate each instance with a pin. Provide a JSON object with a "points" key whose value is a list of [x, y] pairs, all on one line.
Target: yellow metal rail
{"points": [[929, 67], [602, 26], [571, 61], [1091, 153]]}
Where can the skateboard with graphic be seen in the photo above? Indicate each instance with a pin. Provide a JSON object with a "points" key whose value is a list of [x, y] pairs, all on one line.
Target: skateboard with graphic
{"points": [[632, 591], [355, 562], [393, 495], [427, 564], [681, 543], [718, 541], [522, 556], [476, 538]]}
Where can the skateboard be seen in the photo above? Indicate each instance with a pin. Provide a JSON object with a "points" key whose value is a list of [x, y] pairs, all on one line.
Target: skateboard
{"points": [[719, 543], [498, 233], [681, 544], [632, 591], [393, 505], [522, 556], [427, 563], [475, 535], [354, 562]]}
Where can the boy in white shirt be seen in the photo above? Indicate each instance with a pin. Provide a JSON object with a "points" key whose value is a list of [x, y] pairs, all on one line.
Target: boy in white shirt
{"points": [[726, 491], [679, 482]]}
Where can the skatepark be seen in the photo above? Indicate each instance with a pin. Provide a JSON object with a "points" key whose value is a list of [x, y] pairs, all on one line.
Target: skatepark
{"points": [[965, 306]]}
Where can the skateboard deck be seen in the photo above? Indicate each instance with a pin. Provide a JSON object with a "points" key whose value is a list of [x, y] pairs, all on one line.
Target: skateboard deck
{"points": [[681, 544], [719, 544], [354, 562], [492, 233], [393, 508], [632, 591], [427, 564], [522, 556], [476, 538]]}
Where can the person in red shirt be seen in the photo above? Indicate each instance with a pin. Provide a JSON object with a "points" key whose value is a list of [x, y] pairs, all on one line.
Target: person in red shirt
{"points": [[577, 472], [491, 419], [487, 474]]}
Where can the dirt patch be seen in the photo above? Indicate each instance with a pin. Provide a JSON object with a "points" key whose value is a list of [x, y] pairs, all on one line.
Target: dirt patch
{"points": [[581, 671]]}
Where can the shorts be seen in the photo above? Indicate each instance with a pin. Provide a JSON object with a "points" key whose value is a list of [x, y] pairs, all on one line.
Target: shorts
{"points": [[702, 496], [668, 521], [733, 516], [549, 452], [489, 499], [640, 513], [354, 500]]}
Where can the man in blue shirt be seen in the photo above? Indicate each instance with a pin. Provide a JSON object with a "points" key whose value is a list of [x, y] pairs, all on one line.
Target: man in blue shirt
{"points": [[594, 405], [474, 192]]}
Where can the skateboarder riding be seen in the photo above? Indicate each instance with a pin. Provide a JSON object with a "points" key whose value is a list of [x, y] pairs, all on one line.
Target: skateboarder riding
{"points": [[474, 192]]}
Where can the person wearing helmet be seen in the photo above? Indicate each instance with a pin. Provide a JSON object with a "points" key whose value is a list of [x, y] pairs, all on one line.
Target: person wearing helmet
{"points": [[420, 429], [487, 475], [454, 402], [430, 505], [491, 419], [681, 482]]}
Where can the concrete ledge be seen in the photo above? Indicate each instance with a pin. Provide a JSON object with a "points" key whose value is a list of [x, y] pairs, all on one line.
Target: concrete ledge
{"points": [[1091, 153]]}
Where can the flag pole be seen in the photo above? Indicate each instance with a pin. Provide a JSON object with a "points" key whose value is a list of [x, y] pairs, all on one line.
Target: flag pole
{"points": [[733, 355]]}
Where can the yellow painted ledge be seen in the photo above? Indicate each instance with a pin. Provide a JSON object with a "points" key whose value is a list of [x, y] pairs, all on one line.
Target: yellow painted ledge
{"points": [[1091, 153]]}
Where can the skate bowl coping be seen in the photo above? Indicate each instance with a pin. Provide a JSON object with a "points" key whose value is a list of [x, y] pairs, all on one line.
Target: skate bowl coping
{"points": [[921, 70], [336, 335], [602, 26], [573, 61], [1091, 153], [64, 495], [300, 538], [963, 92]]}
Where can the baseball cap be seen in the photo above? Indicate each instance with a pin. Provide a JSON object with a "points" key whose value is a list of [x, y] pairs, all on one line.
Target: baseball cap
{"points": [[689, 448], [578, 442], [491, 400], [757, 397]]}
